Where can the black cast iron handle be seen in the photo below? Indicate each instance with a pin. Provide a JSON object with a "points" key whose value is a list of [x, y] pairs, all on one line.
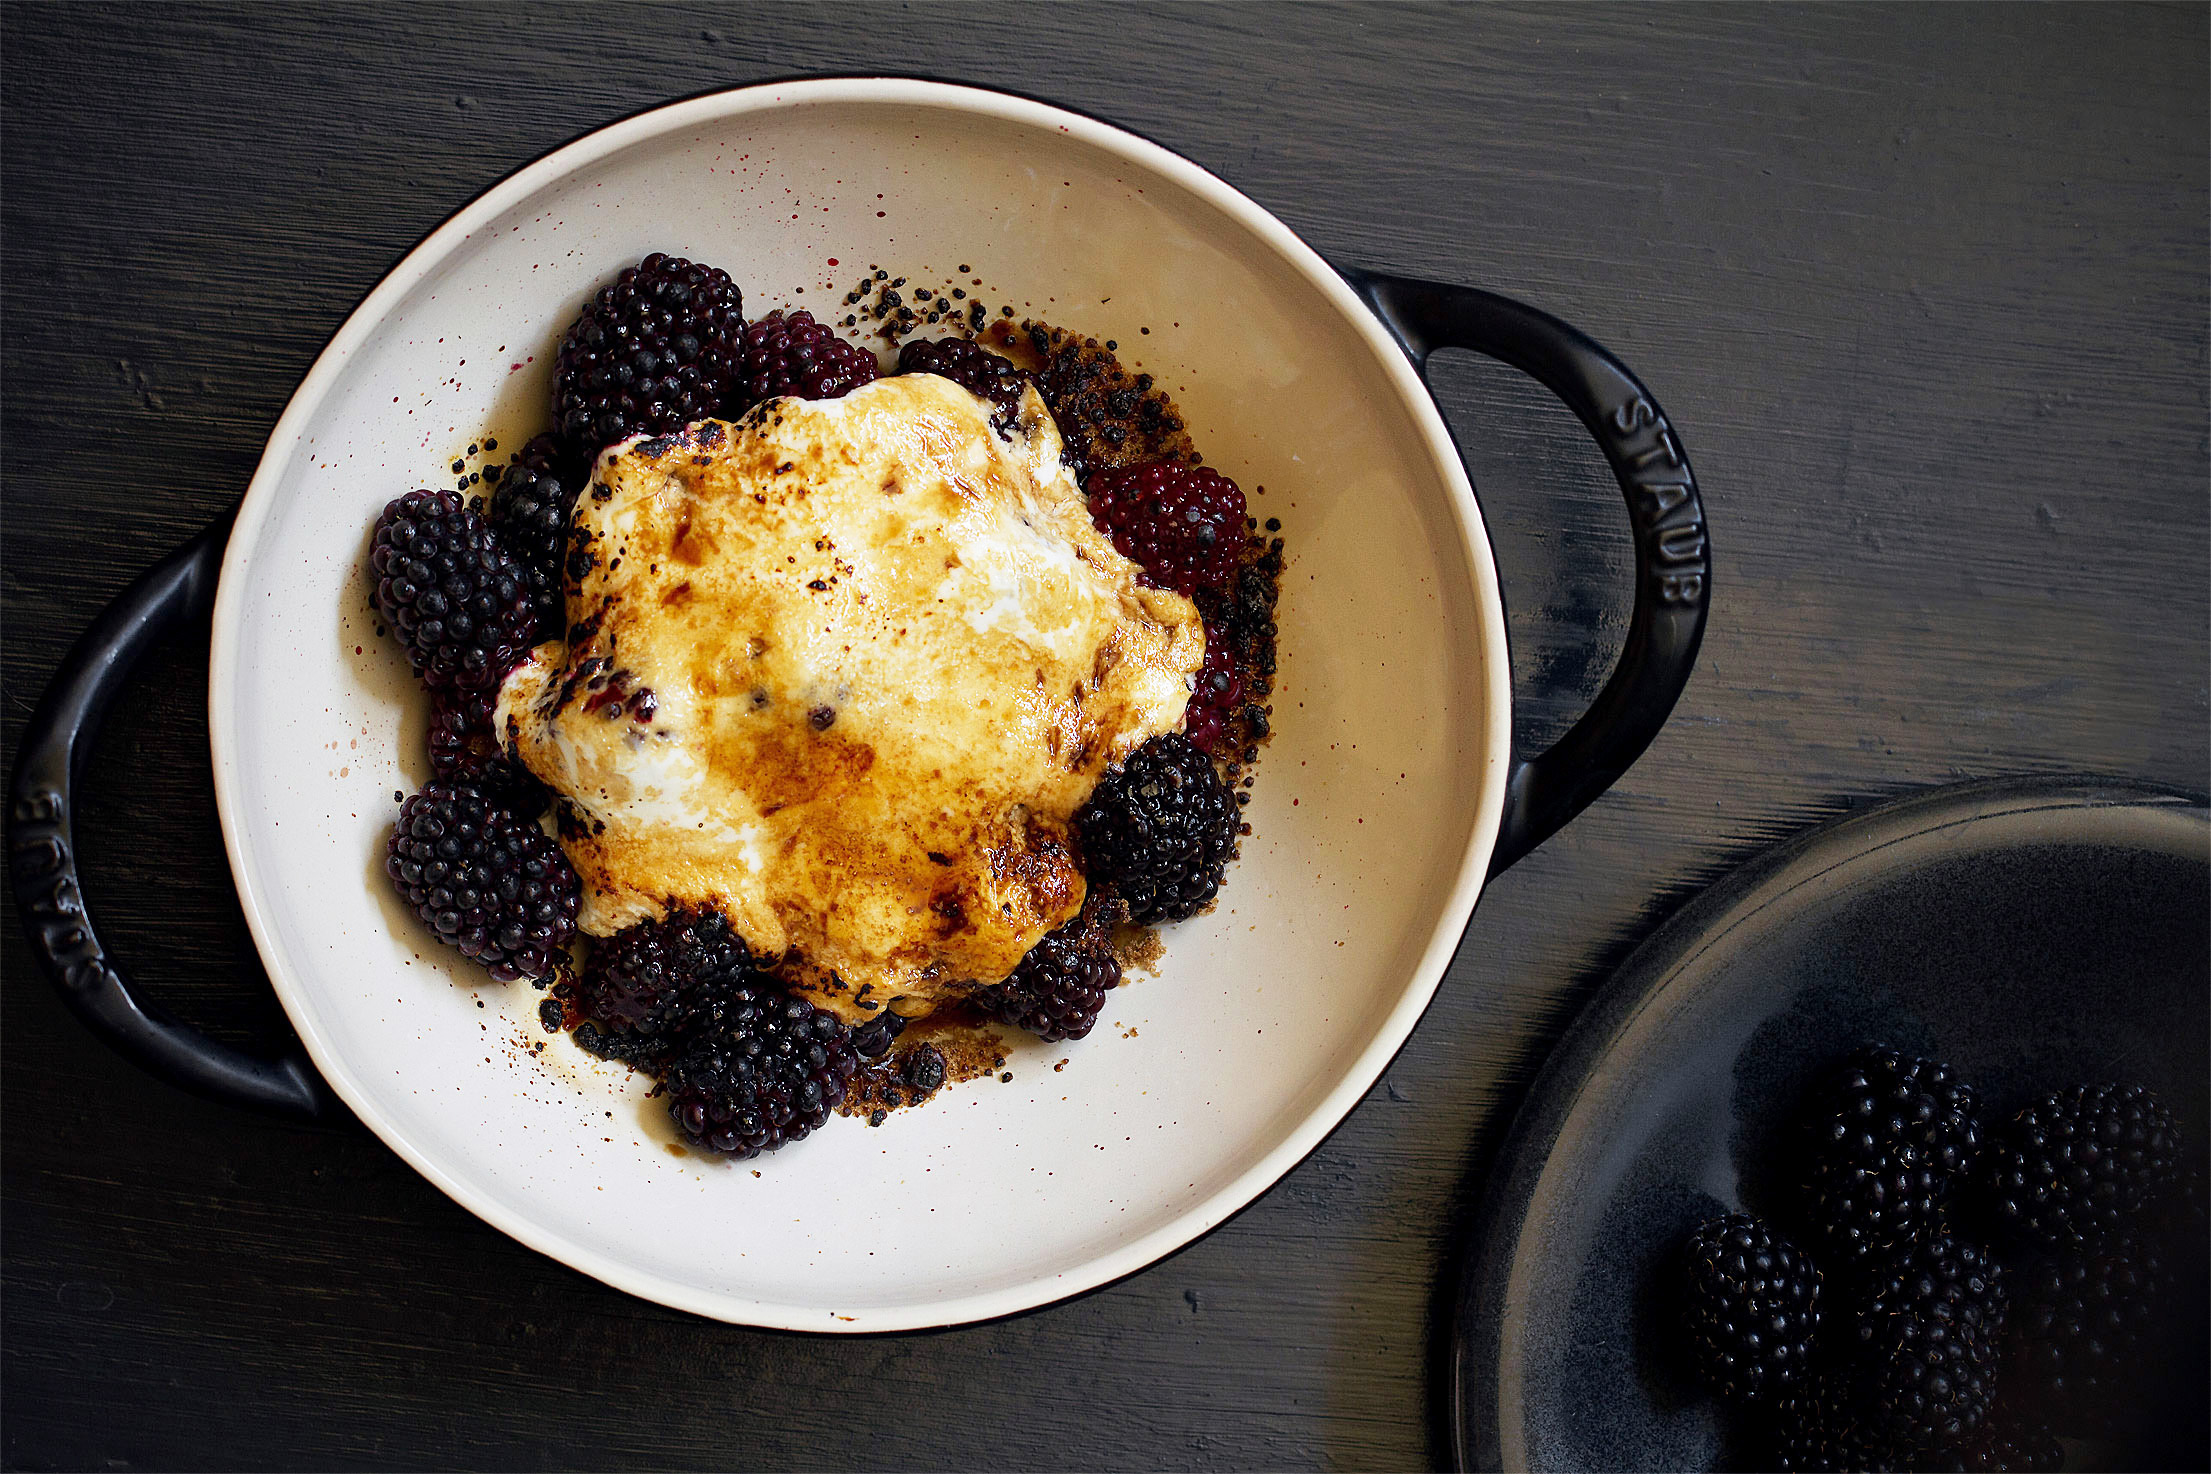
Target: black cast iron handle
{"points": [[1673, 557], [42, 856]]}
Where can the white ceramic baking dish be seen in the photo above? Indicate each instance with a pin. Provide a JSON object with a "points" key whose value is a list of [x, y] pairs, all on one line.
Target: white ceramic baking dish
{"points": [[1389, 793]]}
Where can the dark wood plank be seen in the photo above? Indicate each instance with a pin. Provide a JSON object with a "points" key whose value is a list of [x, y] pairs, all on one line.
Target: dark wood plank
{"points": [[1925, 289]]}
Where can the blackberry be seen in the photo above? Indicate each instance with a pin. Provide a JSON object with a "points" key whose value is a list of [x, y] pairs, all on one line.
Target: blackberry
{"points": [[2009, 1449], [1061, 985], [873, 1039], [767, 1070], [973, 367], [2086, 1330], [1927, 1341], [1888, 1137], [1214, 693], [484, 881], [925, 1069], [2076, 1164], [1750, 1303], [646, 988], [530, 511], [659, 347], [1160, 830], [464, 745], [1814, 1427], [1183, 525], [799, 357], [447, 588]]}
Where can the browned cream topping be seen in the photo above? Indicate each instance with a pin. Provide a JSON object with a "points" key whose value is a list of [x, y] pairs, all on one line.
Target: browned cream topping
{"points": [[844, 670]]}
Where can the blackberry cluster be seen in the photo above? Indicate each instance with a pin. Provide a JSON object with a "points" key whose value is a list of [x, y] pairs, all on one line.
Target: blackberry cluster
{"points": [[766, 1070], [465, 746], [1160, 830], [660, 346], [1183, 525], [1059, 988], [644, 990], [1752, 1308], [1927, 1342], [445, 585], [2077, 1164], [798, 357], [486, 882], [1889, 1137], [530, 512], [971, 366], [1924, 1350]]}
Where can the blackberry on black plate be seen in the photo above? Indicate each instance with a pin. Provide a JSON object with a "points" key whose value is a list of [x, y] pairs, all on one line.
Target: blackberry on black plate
{"points": [[486, 882], [2077, 1164], [645, 989], [1927, 1345], [530, 511], [1750, 1303], [1061, 985], [1183, 525], [2026, 1448], [971, 366], [1888, 1137], [1814, 1426], [1160, 830], [446, 586], [659, 347], [767, 1070], [2087, 1323], [793, 355]]}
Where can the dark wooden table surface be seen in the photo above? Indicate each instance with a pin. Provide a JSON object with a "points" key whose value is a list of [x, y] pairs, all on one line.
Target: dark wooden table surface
{"points": [[1924, 288]]}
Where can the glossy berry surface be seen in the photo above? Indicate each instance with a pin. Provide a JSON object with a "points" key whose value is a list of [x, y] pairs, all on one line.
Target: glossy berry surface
{"points": [[659, 347], [971, 366], [464, 746], [1750, 1307], [1057, 991], [2087, 1324], [766, 1070], [793, 355], [486, 882], [1927, 1341], [645, 989], [2079, 1164], [1160, 830], [1183, 525], [446, 587], [1214, 693], [529, 511], [1888, 1137]]}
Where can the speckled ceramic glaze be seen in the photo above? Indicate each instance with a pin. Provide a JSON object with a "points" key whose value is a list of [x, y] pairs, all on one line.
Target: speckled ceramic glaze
{"points": [[1266, 1020], [2035, 934]]}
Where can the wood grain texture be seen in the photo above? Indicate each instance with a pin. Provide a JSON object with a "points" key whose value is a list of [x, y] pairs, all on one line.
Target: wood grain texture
{"points": [[1924, 288]]}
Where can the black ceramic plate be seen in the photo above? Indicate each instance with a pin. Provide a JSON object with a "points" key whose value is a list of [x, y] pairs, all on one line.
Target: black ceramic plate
{"points": [[2034, 934]]}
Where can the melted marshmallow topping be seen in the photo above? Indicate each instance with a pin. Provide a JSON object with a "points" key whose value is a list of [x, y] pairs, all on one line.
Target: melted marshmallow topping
{"points": [[844, 670]]}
